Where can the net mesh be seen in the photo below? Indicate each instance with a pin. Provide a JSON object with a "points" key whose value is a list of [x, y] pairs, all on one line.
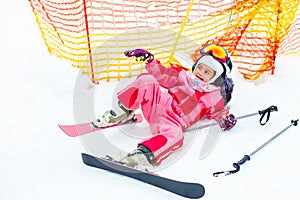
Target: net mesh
{"points": [[93, 34]]}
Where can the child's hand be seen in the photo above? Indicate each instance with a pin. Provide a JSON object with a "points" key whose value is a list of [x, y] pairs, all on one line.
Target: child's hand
{"points": [[227, 122], [140, 55]]}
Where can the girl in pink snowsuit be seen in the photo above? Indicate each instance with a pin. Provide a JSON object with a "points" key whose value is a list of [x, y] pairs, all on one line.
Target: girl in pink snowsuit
{"points": [[187, 100]]}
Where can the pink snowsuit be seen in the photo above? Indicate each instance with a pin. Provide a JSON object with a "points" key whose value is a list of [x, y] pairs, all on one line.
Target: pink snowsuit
{"points": [[169, 113]]}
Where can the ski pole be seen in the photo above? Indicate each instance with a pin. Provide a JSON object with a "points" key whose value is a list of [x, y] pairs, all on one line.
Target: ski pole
{"points": [[266, 112], [247, 157]]}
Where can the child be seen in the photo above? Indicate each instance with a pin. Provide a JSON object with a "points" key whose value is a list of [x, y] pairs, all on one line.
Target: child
{"points": [[190, 96]]}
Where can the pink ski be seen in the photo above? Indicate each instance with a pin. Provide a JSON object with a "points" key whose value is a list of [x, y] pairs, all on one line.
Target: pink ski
{"points": [[81, 129]]}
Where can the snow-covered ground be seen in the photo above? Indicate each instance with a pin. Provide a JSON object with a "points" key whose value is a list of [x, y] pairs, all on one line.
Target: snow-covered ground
{"points": [[38, 161]]}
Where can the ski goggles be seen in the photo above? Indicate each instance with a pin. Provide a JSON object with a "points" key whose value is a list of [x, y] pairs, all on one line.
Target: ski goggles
{"points": [[218, 52]]}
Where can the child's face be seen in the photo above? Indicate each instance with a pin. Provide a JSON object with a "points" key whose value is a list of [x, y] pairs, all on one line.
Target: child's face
{"points": [[204, 72]]}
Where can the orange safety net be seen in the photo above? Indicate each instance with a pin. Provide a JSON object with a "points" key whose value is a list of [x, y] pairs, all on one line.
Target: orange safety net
{"points": [[93, 34]]}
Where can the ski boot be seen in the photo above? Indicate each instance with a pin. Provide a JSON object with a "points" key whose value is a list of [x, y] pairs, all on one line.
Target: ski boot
{"points": [[141, 159], [110, 117]]}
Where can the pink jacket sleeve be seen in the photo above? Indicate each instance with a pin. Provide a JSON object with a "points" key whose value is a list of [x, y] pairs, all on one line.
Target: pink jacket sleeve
{"points": [[166, 77], [216, 109]]}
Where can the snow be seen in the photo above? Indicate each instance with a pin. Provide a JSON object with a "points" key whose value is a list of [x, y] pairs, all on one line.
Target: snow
{"points": [[38, 161]]}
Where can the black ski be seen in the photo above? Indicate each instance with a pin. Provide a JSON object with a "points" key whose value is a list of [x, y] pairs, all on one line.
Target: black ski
{"points": [[185, 189]]}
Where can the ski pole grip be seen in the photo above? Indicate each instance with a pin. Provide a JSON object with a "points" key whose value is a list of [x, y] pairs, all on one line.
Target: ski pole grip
{"points": [[243, 160], [295, 122], [238, 164], [268, 112]]}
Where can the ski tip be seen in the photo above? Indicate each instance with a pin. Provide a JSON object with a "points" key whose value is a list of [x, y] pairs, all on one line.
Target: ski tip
{"points": [[194, 191], [69, 130], [203, 193]]}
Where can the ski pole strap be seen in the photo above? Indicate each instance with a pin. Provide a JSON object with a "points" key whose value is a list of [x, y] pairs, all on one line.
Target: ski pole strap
{"points": [[236, 165], [268, 112]]}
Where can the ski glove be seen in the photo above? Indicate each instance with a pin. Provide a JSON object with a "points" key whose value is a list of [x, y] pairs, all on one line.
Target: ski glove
{"points": [[140, 55], [227, 122]]}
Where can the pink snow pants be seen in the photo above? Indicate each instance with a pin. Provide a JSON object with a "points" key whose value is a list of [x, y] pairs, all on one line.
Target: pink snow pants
{"points": [[156, 106]]}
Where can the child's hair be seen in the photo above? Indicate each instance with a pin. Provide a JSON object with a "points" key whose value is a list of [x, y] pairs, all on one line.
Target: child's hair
{"points": [[226, 85]]}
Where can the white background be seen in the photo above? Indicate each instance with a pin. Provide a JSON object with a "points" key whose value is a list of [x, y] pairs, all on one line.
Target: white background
{"points": [[38, 161]]}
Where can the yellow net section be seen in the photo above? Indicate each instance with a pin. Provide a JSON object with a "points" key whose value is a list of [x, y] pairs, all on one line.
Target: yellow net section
{"points": [[93, 34]]}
